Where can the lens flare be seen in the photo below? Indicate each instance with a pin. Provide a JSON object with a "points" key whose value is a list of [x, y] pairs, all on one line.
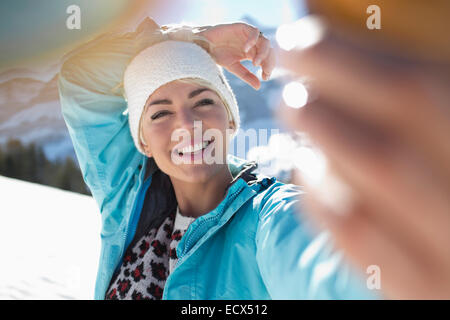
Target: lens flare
{"points": [[300, 34], [295, 95]]}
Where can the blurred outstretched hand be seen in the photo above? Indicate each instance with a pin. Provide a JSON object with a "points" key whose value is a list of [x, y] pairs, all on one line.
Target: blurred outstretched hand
{"points": [[385, 130]]}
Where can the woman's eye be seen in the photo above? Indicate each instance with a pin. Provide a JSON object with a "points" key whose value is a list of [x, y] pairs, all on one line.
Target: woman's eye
{"points": [[159, 115], [204, 102]]}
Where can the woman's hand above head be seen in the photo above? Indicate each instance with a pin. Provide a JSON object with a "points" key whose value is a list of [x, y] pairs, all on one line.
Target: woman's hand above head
{"points": [[235, 42]]}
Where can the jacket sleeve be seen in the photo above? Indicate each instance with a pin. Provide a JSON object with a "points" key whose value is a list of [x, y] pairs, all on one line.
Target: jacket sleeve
{"points": [[93, 108], [294, 262]]}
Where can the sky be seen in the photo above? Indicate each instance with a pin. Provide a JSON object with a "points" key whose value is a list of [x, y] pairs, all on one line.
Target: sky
{"points": [[33, 33], [267, 12]]}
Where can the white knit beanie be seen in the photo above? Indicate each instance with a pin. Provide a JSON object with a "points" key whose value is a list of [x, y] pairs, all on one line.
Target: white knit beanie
{"points": [[167, 61]]}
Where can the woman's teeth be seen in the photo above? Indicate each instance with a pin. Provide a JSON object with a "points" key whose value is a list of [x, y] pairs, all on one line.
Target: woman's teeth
{"points": [[195, 148]]}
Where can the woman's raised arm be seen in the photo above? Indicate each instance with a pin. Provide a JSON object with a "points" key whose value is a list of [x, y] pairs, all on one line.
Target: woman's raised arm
{"points": [[92, 105]]}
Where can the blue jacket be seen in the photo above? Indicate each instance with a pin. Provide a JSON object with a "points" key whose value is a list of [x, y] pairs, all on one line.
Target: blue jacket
{"points": [[253, 245]]}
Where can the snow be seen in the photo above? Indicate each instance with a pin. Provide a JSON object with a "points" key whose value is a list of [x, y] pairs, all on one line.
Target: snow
{"points": [[50, 242]]}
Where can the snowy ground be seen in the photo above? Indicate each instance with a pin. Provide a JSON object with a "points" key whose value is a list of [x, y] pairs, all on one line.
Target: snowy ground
{"points": [[49, 242]]}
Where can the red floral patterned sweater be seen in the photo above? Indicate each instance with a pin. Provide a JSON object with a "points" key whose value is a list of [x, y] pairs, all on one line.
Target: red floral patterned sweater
{"points": [[146, 265]]}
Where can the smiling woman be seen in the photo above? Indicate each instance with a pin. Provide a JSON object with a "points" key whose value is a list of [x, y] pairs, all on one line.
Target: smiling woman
{"points": [[202, 102], [190, 82], [203, 230], [197, 116]]}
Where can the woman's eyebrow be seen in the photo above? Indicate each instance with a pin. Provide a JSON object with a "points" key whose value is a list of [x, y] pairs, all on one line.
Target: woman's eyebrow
{"points": [[197, 92], [163, 101], [190, 96]]}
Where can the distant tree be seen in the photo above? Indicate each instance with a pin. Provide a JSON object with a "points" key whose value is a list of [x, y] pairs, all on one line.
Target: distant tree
{"points": [[62, 178], [42, 165], [2, 157], [13, 161], [29, 163]]}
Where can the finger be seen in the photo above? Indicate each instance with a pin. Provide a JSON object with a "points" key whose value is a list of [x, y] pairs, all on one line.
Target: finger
{"points": [[366, 244], [341, 74], [262, 50], [383, 172], [422, 244], [253, 35], [268, 64], [244, 74], [378, 94]]}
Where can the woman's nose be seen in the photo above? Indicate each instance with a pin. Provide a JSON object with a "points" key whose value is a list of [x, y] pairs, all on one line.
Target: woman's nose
{"points": [[187, 120]]}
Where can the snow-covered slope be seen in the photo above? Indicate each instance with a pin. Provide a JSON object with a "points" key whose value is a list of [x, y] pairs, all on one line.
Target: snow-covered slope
{"points": [[49, 242]]}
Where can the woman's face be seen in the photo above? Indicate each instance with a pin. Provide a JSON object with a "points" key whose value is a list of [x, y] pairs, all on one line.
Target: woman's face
{"points": [[182, 151]]}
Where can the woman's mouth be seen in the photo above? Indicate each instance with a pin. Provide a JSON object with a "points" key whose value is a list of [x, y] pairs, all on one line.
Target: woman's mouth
{"points": [[194, 152]]}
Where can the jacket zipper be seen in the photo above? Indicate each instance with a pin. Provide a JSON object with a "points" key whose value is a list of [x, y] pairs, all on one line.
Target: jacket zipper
{"points": [[188, 242], [232, 197], [183, 256]]}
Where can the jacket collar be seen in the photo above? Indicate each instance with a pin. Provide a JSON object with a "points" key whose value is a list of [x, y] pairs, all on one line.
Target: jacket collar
{"points": [[243, 187], [238, 167], [160, 200]]}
